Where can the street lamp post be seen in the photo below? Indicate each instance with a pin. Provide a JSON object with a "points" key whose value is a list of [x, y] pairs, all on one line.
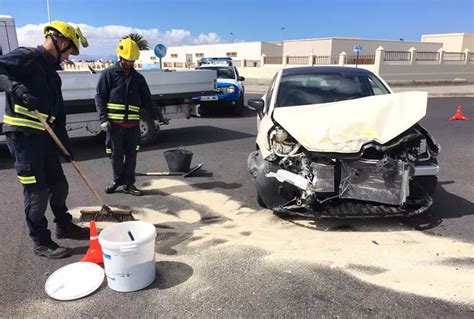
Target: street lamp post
{"points": [[232, 35], [281, 34], [49, 13]]}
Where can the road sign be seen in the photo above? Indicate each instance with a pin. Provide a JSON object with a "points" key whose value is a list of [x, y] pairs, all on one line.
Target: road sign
{"points": [[357, 48], [160, 50]]}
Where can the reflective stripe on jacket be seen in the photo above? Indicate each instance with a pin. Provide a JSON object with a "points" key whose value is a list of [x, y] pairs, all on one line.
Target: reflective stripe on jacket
{"points": [[35, 69], [24, 118], [121, 112], [120, 98]]}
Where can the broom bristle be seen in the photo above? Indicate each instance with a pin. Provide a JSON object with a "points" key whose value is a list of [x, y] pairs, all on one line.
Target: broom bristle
{"points": [[105, 213]]}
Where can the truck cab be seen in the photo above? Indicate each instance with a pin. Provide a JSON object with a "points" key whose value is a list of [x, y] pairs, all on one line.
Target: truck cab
{"points": [[229, 85]]}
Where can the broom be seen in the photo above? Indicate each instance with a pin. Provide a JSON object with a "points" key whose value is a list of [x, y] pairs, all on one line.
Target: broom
{"points": [[105, 213], [184, 174]]}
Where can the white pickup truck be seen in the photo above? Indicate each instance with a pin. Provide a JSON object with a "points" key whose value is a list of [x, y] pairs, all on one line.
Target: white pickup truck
{"points": [[172, 91]]}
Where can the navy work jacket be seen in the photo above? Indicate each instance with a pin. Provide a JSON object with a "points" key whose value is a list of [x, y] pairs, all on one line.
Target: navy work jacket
{"points": [[36, 69], [120, 98]]}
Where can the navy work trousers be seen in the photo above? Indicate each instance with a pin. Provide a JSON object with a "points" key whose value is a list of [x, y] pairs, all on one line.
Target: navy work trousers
{"points": [[37, 163], [124, 143]]}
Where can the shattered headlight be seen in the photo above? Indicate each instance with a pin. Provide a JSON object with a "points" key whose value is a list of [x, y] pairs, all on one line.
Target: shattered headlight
{"points": [[282, 143]]}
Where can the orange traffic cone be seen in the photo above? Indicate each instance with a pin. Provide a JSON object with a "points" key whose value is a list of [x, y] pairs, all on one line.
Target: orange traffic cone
{"points": [[94, 253], [458, 115]]}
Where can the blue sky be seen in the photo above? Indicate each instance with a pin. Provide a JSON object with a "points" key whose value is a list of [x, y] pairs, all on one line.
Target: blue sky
{"points": [[205, 21]]}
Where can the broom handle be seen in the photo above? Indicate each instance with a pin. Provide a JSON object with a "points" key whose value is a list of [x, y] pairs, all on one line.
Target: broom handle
{"points": [[65, 151]]}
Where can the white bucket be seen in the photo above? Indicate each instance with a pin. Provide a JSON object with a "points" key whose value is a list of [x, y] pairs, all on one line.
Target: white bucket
{"points": [[129, 264]]}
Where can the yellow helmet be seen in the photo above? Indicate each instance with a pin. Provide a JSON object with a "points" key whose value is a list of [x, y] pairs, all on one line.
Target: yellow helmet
{"points": [[128, 49], [66, 30]]}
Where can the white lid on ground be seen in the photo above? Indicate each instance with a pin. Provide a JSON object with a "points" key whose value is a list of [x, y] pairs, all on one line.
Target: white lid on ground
{"points": [[74, 281]]}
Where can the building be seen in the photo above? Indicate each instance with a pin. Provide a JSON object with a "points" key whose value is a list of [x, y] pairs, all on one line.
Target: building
{"points": [[177, 56], [452, 42], [252, 52], [335, 45]]}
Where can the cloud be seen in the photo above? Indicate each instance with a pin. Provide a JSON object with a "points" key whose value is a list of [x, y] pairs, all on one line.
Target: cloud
{"points": [[102, 40]]}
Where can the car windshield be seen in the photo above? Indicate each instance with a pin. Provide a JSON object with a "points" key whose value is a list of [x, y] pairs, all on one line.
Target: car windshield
{"points": [[223, 72], [324, 88]]}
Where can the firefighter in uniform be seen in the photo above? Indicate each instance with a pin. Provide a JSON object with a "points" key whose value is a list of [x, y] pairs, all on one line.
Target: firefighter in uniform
{"points": [[121, 93], [29, 78]]}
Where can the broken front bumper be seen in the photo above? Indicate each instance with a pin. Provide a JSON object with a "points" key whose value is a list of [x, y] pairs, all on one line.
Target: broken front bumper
{"points": [[283, 194]]}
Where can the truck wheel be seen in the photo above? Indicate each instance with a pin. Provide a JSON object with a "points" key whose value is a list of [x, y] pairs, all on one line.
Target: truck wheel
{"points": [[239, 107], [203, 110], [148, 131]]}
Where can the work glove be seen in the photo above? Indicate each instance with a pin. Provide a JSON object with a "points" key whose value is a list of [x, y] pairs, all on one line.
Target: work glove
{"points": [[29, 101], [105, 126]]}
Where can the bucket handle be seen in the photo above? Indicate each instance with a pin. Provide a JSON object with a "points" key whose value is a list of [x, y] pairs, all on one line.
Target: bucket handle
{"points": [[128, 248]]}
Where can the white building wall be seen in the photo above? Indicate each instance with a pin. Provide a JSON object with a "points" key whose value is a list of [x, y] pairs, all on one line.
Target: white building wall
{"points": [[271, 49], [334, 46], [148, 57], [321, 47], [244, 50], [452, 42]]}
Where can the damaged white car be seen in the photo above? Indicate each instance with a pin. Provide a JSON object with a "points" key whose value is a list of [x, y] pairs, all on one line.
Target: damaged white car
{"points": [[335, 141]]}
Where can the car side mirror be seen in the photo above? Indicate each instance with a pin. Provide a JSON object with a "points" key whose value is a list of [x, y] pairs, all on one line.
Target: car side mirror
{"points": [[241, 78], [256, 105]]}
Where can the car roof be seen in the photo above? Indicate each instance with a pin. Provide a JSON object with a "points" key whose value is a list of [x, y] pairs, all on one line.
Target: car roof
{"points": [[324, 70]]}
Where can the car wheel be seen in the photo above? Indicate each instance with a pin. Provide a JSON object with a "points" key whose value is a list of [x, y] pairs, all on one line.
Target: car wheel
{"points": [[239, 107], [148, 131], [203, 110]]}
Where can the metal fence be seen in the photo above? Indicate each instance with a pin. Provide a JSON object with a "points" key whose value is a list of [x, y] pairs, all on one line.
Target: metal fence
{"points": [[427, 56], [400, 56], [397, 56], [298, 60], [454, 56], [325, 59], [273, 60], [363, 59]]}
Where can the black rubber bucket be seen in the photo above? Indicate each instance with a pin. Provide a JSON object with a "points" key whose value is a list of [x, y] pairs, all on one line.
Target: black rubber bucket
{"points": [[178, 160]]}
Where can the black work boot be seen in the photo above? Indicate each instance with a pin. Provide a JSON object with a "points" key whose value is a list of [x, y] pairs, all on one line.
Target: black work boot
{"points": [[72, 231], [52, 251], [112, 187], [132, 190]]}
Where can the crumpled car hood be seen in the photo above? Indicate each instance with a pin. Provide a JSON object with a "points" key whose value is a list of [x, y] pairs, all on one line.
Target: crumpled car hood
{"points": [[343, 127]]}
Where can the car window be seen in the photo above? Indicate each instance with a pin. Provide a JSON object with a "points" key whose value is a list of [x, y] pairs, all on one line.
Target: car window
{"points": [[222, 72], [377, 86], [268, 96], [323, 88]]}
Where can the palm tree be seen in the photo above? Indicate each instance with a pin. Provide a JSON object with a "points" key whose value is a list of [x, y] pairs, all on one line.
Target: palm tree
{"points": [[139, 39]]}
